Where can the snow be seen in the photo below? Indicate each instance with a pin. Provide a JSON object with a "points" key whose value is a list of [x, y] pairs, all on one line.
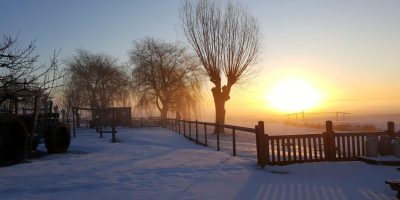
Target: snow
{"points": [[389, 158], [155, 163]]}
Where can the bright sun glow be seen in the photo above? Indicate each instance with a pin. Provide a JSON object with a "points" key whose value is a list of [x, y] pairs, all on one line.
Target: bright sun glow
{"points": [[293, 95]]}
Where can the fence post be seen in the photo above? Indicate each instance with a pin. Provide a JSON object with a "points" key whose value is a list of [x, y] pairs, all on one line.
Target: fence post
{"points": [[113, 139], [329, 142], [258, 144], [190, 130], [73, 123], [217, 128], [179, 126], [263, 146], [197, 133], [101, 124], [205, 134], [233, 142], [184, 128], [259, 141], [390, 129]]}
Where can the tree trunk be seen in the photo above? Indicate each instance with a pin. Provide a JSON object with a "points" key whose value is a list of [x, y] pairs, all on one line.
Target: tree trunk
{"points": [[178, 115], [164, 113], [219, 113], [221, 95]]}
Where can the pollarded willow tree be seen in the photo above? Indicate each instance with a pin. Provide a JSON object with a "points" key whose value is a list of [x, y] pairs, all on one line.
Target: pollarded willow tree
{"points": [[166, 77], [226, 41]]}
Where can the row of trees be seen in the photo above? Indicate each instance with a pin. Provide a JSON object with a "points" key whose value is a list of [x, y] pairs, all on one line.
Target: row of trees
{"points": [[165, 76], [225, 42]]}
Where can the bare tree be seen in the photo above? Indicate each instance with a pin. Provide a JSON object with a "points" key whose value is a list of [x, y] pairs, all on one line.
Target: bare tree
{"points": [[15, 62], [225, 41], [165, 76], [19, 69], [94, 80], [72, 97]]}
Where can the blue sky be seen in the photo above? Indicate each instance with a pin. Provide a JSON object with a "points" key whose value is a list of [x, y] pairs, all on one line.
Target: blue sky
{"points": [[99, 26], [349, 47]]}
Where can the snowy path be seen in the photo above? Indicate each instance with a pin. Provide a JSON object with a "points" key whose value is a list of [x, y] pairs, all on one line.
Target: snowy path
{"points": [[154, 163]]}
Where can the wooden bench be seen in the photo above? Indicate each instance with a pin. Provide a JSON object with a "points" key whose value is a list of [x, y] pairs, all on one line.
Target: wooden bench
{"points": [[394, 185]]}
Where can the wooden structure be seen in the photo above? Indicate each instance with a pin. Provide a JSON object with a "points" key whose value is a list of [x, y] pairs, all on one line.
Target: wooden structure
{"points": [[120, 116], [286, 149], [112, 117], [146, 122], [327, 146], [199, 132]]}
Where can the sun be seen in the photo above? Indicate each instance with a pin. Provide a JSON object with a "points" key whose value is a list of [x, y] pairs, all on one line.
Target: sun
{"points": [[293, 95]]}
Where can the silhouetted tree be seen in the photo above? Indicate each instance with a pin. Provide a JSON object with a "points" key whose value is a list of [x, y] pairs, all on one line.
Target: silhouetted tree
{"points": [[165, 76], [19, 69], [72, 97], [95, 80], [225, 41]]}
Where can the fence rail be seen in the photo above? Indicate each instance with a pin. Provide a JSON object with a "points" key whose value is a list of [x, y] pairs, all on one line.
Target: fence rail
{"points": [[222, 136], [272, 149], [294, 148], [328, 146], [146, 122]]}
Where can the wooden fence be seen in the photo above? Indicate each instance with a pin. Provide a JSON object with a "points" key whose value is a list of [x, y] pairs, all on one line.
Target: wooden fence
{"points": [[275, 149], [295, 148], [328, 146], [204, 132], [146, 122]]}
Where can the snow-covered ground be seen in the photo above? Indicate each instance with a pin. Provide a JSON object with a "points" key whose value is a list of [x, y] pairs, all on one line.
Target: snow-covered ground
{"points": [[155, 163]]}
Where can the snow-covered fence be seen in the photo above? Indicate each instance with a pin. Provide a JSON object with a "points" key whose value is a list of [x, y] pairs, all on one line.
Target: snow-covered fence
{"points": [[328, 146], [279, 149]]}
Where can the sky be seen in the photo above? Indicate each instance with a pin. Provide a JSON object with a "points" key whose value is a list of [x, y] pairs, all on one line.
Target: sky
{"points": [[347, 51]]}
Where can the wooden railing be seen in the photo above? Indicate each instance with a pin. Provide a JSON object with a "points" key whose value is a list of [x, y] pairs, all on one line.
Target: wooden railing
{"points": [[277, 149], [351, 145], [295, 148], [146, 122], [205, 133], [328, 146]]}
